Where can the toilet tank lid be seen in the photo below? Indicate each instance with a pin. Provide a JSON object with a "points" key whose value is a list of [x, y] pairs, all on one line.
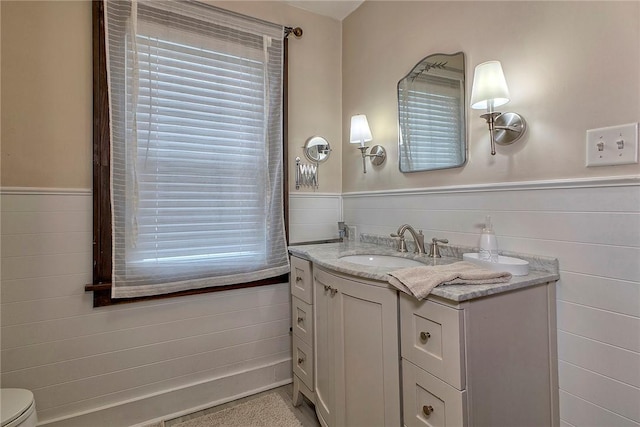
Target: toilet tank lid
{"points": [[13, 403]]}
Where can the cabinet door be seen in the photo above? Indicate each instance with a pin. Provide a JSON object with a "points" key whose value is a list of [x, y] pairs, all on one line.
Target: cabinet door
{"points": [[303, 361], [302, 320], [323, 348], [367, 378], [432, 337], [430, 402], [300, 279]]}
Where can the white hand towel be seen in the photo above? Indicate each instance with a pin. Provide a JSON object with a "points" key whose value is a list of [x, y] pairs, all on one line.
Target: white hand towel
{"points": [[419, 281]]}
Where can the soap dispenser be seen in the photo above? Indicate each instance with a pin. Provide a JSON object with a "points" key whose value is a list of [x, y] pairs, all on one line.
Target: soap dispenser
{"points": [[488, 243]]}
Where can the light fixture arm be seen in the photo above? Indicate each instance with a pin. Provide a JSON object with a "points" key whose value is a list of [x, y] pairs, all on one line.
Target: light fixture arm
{"points": [[363, 151], [491, 120], [377, 153], [504, 128]]}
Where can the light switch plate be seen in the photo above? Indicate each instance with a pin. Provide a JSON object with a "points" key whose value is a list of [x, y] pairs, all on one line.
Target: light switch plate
{"points": [[615, 145]]}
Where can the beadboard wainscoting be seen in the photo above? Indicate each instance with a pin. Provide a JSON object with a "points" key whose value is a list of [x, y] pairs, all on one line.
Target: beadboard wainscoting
{"points": [[314, 216], [122, 365], [593, 228]]}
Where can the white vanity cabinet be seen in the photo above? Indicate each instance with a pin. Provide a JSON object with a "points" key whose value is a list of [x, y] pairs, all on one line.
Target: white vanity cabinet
{"points": [[301, 282], [368, 355], [356, 352], [484, 362]]}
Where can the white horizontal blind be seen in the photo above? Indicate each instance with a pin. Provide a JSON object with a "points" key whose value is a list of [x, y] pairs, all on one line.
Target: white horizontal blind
{"points": [[196, 147], [430, 112]]}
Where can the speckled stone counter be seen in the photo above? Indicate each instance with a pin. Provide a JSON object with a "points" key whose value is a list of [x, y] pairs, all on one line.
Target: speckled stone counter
{"points": [[541, 269]]}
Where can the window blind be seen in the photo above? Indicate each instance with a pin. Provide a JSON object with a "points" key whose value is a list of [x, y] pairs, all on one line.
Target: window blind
{"points": [[429, 111], [195, 97]]}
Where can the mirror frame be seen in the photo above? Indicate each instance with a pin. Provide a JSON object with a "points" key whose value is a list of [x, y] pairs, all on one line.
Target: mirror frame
{"points": [[316, 141], [464, 143]]}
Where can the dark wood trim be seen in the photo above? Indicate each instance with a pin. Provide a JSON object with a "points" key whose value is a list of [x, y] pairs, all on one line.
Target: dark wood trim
{"points": [[102, 292], [101, 154], [102, 239], [285, 136]]}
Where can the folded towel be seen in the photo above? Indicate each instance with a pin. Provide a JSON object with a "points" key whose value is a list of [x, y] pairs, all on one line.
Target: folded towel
{"points": [[419, 281]]}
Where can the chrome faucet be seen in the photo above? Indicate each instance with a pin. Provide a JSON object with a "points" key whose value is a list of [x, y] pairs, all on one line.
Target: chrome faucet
{"points": [[418, 238]]}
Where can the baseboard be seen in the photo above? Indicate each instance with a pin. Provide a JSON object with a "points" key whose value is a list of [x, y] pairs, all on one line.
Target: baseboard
{"points": [[180, 401]]}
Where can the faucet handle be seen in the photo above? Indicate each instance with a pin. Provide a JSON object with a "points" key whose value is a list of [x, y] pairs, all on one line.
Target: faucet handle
{"points": [[402, 244], [434, 249]]}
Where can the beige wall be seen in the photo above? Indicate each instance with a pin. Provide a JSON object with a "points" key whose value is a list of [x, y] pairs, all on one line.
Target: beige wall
{"points": [[564, 76], [570, 66], [47, 92]]}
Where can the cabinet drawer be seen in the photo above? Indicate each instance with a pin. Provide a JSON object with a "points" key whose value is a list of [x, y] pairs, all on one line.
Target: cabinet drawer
{"points": [[432, 337], [429, 401], [302, 320], [300, 279], [303, 361]]}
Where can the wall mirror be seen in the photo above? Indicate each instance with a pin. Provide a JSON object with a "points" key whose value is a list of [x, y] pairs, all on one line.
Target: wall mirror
{"points": [[317, 149], [431, 113]]}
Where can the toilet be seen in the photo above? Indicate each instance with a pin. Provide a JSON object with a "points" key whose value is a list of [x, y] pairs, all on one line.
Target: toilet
{"points": [[17, 408]]}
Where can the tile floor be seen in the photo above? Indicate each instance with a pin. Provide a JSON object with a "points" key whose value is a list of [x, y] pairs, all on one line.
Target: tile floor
{"points": [[305, 413]]}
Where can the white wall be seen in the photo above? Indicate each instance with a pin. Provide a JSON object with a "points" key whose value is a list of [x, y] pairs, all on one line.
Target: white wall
{"points": [[314, 216], [593, 228], [144, 359]]}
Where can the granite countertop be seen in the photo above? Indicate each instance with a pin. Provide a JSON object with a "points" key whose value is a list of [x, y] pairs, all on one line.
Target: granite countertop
{"points": [[327, 255]]}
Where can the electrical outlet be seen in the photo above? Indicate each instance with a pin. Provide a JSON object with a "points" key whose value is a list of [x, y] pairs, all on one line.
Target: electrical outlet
{"points": [[615, 145], [353, 232]]}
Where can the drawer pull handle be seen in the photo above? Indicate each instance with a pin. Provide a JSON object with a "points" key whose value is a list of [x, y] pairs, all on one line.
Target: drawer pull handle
{"points": [[331, 289], [300, 360], [427, 410], [300, 319], [298, 279], [424, 336]]}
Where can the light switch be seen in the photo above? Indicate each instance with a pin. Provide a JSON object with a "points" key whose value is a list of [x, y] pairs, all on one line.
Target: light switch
{"points": [[615, 145]]}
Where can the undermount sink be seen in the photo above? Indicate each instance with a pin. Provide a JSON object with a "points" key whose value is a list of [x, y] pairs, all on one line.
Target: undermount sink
{"points": [[387, 261], [515, 266]]}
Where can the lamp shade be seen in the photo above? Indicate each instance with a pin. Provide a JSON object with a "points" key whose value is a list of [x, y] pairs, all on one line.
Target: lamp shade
{"points": [[489, 86], [360, 132]]}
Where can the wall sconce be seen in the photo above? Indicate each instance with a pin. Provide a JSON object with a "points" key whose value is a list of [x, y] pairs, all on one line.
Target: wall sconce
{"points": [[360, 133], [488, 92]]}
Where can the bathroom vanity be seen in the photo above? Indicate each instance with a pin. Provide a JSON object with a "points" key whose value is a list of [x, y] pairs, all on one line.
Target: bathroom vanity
{"points": [[469, 355]]}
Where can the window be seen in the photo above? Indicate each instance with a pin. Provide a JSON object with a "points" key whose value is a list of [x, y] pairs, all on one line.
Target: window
{"points": [[197, 154]]}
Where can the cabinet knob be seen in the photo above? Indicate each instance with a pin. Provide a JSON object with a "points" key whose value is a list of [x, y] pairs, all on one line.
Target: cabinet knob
{"points": [[300, 319], [427, 410], [300, 360], [298, 279], [424, 336], [330, 289]]}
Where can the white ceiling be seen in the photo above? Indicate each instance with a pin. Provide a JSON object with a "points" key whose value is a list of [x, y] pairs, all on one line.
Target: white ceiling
{"points": [[336, 9]]}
